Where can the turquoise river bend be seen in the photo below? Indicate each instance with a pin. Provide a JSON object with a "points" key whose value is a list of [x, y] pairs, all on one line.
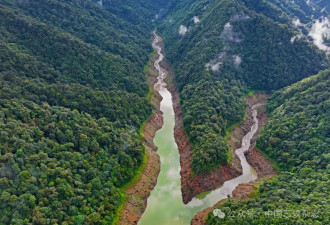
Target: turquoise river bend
{"points": [[165, 206]]}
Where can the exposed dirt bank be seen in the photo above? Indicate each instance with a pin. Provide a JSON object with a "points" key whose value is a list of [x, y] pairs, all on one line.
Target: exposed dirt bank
{"points": [[138, 193], [263, 167], [192, 185]]}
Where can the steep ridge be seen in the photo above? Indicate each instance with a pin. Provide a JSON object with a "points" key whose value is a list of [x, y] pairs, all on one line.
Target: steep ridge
{"points": [[263, 166], [192, 184], [297, 138], [221, 49]]}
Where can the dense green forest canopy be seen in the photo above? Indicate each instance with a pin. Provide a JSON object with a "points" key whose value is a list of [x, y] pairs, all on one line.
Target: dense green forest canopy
{"points": [[302, 9], [221, 49], [72, 101], [136, 11], [73, 97], [297, 137]]}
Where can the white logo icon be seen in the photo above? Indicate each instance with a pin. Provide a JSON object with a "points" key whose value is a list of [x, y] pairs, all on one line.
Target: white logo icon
{"points": [[219, 213]]}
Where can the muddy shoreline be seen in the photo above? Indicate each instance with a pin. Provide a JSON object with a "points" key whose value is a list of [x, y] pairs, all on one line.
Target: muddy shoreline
{"points": [[255, 158], [191, 186], [139, 192]]}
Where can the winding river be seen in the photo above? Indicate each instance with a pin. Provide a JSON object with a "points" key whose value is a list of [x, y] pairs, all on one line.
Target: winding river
{"points": [[165, 206]]}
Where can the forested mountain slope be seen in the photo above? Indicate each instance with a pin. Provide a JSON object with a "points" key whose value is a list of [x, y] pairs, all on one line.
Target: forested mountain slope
{"points": [[221, 49], [137, 12], [73, 94], [72, 100], [297, 138]]}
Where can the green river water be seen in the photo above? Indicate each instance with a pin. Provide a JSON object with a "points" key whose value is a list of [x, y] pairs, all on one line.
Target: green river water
{"points": [[165, 206]]}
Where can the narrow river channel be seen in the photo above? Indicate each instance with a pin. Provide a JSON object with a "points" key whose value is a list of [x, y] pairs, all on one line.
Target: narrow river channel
{"points": [[165, 206]]}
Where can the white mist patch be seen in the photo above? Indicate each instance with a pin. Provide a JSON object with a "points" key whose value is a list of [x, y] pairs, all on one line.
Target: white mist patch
{"points": [[296, 22], [239, 17], [229, 34], [237, 60], [183, 30], [295, 38], [205, 7], [100, 3], [319, 30], [215, 64], [196, 19], [159, 14]]}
